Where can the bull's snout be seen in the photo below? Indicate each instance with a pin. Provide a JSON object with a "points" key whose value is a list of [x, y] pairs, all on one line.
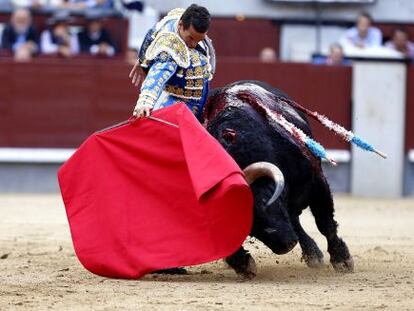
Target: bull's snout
{"points": [[285, 247], [281, 242]]}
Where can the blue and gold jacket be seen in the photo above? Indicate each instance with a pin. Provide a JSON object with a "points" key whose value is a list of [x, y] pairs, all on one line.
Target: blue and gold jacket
{"points": [[174, 71]]}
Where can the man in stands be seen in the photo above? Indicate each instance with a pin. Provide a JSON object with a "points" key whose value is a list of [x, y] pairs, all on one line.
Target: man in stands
{"points": [[363, 35], [335, 57], [268, 55], [86, 4], [400, 43], [20, 37], [179, 61], [58, 39], [95, 39]]}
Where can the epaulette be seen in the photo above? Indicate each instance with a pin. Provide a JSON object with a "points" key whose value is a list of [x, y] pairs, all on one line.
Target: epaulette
{"points": [[173, 14], [176, 12], [173, 45]]}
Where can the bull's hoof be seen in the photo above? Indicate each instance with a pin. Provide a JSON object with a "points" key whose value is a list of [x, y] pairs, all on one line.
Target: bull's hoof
{"points": [[313, 261], [346, 266], [173, 271], [251, 270], [243, 264], [341, 259]]}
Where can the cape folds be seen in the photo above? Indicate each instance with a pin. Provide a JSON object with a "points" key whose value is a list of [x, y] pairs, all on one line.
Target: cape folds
{"points": [[146, 195]]}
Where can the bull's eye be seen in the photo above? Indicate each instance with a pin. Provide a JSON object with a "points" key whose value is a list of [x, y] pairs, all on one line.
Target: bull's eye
{"points": [[229, 135]]}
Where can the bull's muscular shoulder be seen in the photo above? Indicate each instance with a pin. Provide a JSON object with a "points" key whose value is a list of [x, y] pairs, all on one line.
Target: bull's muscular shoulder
{"points": [[267, 87], [173, 45], [291, 114]]}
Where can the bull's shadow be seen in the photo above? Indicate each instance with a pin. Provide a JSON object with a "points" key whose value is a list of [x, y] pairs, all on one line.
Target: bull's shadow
{"points": [[270, 272]]}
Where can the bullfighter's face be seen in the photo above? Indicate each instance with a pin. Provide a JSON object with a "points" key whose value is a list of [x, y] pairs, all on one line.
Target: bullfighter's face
{"points": [[190, 36]]}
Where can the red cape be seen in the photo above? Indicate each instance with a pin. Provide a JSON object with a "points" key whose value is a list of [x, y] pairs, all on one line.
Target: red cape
{"points": [[144, 196]]}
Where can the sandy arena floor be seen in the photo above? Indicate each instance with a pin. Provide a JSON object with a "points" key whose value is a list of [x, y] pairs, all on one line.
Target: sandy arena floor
{"points": [[40, 271]]}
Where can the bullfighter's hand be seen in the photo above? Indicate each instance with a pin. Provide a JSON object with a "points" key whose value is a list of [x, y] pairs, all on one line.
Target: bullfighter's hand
{"points": [[136, 73], [142, 109]]}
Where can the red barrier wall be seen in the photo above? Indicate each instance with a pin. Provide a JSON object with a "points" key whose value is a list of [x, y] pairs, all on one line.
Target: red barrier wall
{"points": [[58, 103], [245, 38]]}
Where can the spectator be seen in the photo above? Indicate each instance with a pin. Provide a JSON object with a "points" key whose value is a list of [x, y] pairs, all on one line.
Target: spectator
{"points": [[86, 4], [95, 39], [35, 4], [58, 39], [268, 55], [399, 42], [362, 35], [20, 37], [335, 57]]}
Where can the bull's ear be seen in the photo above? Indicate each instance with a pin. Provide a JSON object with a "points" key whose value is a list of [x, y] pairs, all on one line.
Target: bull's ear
{"points": [[211, 103]]}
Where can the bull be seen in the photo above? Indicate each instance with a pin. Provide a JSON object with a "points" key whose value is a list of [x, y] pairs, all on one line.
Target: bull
{"points": [[285, 177]]}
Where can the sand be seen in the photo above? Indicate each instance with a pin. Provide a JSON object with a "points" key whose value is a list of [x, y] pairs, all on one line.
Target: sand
{"points": [[40, 271]]}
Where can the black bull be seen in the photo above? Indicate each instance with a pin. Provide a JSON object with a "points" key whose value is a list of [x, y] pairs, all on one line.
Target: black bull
{"points": [[238, 117]]}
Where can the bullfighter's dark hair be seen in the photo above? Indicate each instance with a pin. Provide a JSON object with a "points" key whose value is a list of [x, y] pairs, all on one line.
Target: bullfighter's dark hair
{"points": [[198, 16]]}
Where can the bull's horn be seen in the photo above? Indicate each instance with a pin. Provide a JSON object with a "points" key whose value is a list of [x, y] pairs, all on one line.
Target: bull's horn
{"points": [[262, 169]]}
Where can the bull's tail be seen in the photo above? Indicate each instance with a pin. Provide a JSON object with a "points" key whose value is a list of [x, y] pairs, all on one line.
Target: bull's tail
{"points": [[335, 127]]}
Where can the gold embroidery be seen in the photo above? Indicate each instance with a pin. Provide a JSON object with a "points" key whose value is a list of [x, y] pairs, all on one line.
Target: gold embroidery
{"points": [[189, 73], [180, 92], [163, 56], [164, 101], [185, 94], [198, 71], [198, 93], [189, 83], [188, 93], [198, 83], [150, 81], [177, 12], [149, 93], [173, 45], [195, 58], [173, 14], [144, 63]]}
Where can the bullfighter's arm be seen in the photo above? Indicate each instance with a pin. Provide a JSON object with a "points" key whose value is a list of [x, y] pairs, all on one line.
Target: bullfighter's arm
{"points": [[159, 73]]}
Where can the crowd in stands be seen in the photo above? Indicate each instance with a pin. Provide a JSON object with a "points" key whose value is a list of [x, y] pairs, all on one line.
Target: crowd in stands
{"points": [[21, 39], [361, 37], [63, 4], [364, 36], [60, 36]]}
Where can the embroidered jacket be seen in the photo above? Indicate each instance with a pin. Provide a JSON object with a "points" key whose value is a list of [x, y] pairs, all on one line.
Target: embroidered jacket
{"points": [[174, 71]]}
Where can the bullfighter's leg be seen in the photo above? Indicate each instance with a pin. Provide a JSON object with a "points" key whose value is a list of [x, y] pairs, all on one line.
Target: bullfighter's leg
{"points": [[243, 263], [311, 253], [322, 207]]}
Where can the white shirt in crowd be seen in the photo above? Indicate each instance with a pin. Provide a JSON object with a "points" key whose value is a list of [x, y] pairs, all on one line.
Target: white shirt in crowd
{"points": [[352, 38], [48, 47]]}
